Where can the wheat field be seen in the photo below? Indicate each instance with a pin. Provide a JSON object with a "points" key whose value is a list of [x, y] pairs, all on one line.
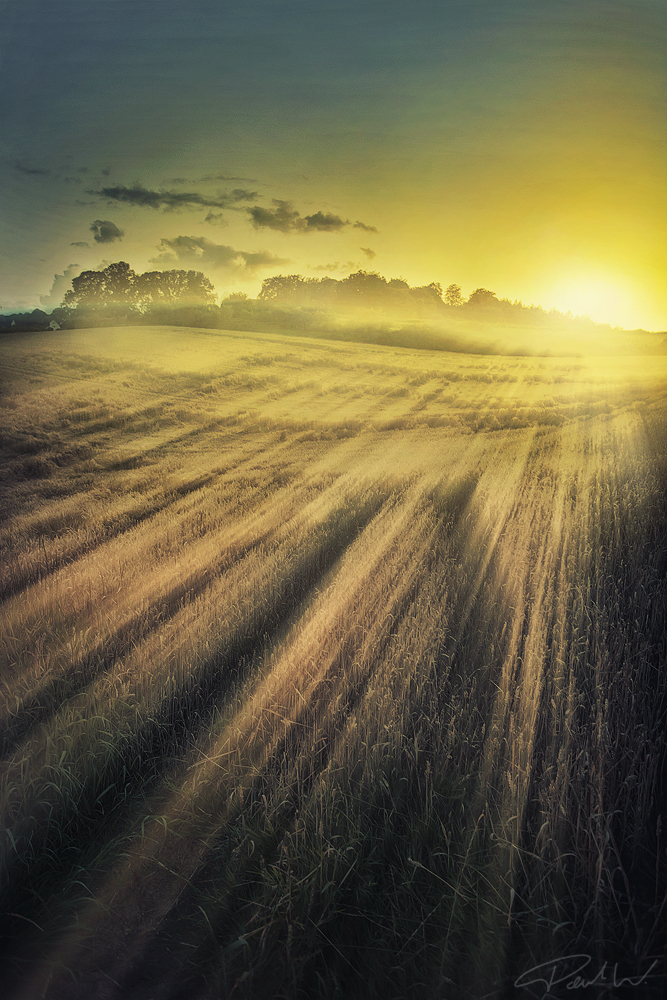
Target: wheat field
{"points": [[330, 670]]}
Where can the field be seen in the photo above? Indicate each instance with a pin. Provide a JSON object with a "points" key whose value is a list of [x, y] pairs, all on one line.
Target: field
{"points": [[330, 670]]}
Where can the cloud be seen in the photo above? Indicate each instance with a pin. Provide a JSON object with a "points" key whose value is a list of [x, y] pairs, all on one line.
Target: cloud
{"points": [[325, 222], [105, 231], [336, 266], [22, 168], [366, 229], [285, 218], [216, 219], [243, 194], [80, 243], [262, 259], [224, 177], [61, 284], [172, 200], [369, 253], [204, 253]]}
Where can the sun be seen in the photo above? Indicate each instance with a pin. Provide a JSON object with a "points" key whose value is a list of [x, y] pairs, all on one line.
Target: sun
{"points": [[605, 298]]}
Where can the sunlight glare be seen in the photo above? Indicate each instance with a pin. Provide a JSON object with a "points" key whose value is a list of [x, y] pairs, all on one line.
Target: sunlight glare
{"points": [[604, 298]]}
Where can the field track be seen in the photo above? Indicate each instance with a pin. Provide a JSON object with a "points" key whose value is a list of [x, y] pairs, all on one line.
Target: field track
{"points": [[329, 669]]}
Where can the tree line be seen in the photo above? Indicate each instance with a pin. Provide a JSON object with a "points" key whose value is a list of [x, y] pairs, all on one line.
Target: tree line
{"points": [[119, 284], [360, 288], [116, 295], [370, 289]]}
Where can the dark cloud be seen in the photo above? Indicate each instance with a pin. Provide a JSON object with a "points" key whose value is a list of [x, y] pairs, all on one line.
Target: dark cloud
{"points": [[285, 218], [80, 243], [105, 231], [200, 252], [61, 284], [369, 253], [243, 194], [224, 177], [216, 219], [106, 172], [366, 229], [171, 200], [22, 168], [325, 222]]}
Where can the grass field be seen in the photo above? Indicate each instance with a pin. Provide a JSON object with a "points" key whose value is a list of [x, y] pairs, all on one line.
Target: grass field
{"points": [[330, 670]]}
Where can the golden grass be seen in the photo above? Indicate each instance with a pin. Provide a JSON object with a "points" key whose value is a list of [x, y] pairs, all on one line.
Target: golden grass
{"points": [[327, 668]]}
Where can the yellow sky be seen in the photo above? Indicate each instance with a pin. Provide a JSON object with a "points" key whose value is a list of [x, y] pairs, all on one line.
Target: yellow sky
{"points": [[517, 145]]}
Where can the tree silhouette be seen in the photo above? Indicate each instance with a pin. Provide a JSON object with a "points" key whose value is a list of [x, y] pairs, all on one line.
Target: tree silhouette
{"points": [[284, 286], [431, 294], [88, 288], [483, 297], [453, 296], [119, 284], [361, 288], [173, 286]]}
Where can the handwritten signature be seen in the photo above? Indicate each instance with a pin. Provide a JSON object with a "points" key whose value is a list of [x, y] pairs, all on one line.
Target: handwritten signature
{"points": [[568, 970]]}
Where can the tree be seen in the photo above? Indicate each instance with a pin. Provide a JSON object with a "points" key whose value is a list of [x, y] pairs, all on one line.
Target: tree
{"points": [[118, 284], [429, 293], [87, 289], [483, 297], [282, 286], [187, 287], [364, 285], [367, 289], [453, 296]]}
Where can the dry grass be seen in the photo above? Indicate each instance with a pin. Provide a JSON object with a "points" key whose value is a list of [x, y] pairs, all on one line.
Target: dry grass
{"points": [[332, 671]]}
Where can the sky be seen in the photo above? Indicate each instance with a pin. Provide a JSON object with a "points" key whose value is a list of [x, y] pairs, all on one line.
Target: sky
{"points": [[515, 145]]}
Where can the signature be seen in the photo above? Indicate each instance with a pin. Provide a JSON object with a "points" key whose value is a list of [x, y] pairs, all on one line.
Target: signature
{"points": [[568, 970]]}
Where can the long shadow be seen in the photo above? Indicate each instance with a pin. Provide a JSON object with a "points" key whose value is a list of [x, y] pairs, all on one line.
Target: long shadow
{"points": [[106, 532], [615, 912], [42, 704], [183, 929], [137, 760], [51, 697]]}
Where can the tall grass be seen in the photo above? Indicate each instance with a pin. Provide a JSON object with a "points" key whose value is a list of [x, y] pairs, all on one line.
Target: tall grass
{"points": [[362, 708]]}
